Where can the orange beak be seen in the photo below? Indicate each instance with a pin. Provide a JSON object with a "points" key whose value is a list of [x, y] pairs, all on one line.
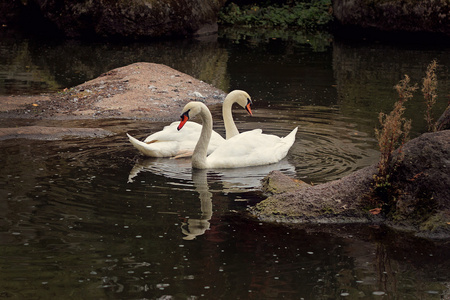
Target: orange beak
{"points": [[248, 108], [184, 118]]}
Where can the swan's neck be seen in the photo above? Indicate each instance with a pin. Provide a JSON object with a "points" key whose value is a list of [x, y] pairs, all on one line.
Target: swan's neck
{"points": [[201, 149], [230, 128]]}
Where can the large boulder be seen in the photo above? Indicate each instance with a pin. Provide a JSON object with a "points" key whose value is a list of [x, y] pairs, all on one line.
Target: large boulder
{"points": [[392, 15], [422, 175], [138, 91], [132, 19]]}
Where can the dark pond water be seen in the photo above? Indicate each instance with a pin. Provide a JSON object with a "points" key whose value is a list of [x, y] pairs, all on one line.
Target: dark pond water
{"points": [[92, 219]]}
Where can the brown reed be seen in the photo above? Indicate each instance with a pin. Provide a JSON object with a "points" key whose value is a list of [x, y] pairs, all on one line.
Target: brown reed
{"points": [[395, 128], [429, 87]]}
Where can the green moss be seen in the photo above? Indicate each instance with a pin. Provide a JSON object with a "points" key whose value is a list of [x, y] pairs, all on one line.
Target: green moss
{"points": [[436, 222], [328, 211]]}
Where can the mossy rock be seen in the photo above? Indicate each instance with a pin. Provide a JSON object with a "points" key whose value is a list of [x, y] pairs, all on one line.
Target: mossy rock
{"points": [[421, 173]]}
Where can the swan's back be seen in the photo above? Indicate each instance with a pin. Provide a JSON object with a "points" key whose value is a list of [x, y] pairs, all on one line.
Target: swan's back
{"points": [[170, 133], [251, 148]]}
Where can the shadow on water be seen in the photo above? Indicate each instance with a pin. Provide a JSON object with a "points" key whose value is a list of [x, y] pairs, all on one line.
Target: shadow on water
{"points": [[93, 219]]}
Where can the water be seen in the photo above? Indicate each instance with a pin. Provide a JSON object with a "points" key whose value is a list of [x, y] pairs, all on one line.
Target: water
{"points": [[92, 219]]}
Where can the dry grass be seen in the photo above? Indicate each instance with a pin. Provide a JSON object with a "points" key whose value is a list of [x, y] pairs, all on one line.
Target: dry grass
{"points": [[394, 132], [429, 88], [395, 128]]}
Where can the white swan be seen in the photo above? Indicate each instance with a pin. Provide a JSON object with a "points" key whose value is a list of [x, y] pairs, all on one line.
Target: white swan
{"points": [[169, 142], [251, 148]]}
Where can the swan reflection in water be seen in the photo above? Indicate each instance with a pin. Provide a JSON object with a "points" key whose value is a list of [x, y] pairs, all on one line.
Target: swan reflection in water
{"points": [[232, 180], [195, 227]]}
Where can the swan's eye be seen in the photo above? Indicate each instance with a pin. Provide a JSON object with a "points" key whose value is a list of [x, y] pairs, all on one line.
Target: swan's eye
{"points": [[185, 114]]}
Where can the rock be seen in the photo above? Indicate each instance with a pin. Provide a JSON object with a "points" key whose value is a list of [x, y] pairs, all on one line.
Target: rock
{"points": [[139, 91], [432, 16], [443, 123], [131, 19], [333, 202], [276, 183], [119, 93], [421, 175], [51, 133]]}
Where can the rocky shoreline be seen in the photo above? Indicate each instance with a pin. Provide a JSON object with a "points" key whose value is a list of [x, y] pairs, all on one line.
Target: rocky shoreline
{"points": [[421, 174]]}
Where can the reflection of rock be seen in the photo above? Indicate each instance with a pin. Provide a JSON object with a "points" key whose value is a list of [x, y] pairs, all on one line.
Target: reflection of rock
{"points": [[422, 176], [70, 62], [20, 71], [319, 40]]}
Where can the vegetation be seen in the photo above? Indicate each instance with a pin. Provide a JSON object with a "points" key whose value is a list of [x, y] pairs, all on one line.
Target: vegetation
{"points": [[429, 93], [319, 41], [302, 14], [393, 133], [394, 127]]}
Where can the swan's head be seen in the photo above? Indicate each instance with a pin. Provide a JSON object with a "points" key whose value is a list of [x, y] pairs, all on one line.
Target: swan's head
{"points": [[189, 111], [243, 99]]}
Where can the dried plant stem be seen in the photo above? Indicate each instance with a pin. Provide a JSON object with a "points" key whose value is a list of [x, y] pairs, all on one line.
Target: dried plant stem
{"points": [[394, 127], [429, 93]]}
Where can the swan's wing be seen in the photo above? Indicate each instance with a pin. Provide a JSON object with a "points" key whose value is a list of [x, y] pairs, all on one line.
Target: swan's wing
{"points": [[251, 148], [172, 142], [171, 133]]}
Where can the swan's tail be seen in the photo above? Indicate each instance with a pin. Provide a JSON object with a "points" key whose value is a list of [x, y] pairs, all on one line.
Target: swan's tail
{"points": [[288, 141], [291, 136], [144, 148]]}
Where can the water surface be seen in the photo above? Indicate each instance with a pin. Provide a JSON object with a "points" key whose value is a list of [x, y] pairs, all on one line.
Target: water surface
{"points": [[92, 219]]}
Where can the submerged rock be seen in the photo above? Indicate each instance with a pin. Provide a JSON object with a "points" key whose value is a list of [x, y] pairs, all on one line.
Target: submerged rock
{"points": [[51, 133], [422, 175]]}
